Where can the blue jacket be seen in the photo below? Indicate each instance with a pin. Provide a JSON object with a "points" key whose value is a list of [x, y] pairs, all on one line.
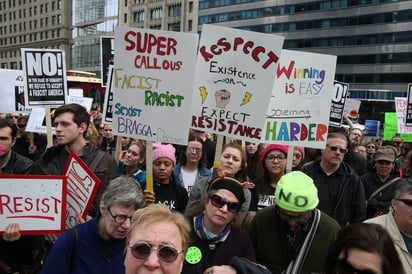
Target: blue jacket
{"points": [[138, 175], [94, 254]]}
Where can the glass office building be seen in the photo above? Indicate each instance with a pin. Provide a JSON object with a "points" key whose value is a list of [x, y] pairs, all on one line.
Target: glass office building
{"points": [[90, 20], [372, 38]]}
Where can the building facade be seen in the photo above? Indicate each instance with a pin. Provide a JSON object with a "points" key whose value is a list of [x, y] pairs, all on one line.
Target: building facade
{"points": [[173, 15], [76, 26], [32, 24], [372, 38]]}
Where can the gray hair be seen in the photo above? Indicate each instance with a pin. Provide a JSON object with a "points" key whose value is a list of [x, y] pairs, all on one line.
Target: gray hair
{"points": [[338, 135], [403, 186], [123, 190]]}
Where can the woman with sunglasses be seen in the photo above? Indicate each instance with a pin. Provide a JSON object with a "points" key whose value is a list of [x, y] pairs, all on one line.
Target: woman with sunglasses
{"points": [[192, 165], [398, 222], [363, 249], [214, 241], [232, 164], [157, 241]]}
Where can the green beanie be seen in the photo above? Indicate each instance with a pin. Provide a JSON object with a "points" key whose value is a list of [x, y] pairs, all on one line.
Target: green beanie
{"points": [[296, 192]]}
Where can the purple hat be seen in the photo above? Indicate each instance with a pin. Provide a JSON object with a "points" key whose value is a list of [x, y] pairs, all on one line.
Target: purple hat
{"points": [[167, 151], [268, 149]]}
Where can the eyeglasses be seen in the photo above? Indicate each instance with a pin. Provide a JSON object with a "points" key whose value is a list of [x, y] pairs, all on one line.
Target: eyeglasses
{"points": [[370, 146], [107, 129], [194, 150], [14, 117], [397, 143], [341, 150], [343, 267], [120, 219], [272, 158], [407, 202], [301, 219], [21, 125], [166, 253], [219, 202]]}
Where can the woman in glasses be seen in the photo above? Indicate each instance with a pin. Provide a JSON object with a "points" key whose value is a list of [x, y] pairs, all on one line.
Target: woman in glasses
{"points": [[157, 241], [232, 164], [214, 241], [99, 244], [192, 165], [398, 222], [364, 249], [273, 163], [131, 162]]}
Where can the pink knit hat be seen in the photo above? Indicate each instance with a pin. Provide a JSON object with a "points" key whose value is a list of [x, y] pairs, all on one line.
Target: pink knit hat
{"points": [[269, 148], [167, 151]]}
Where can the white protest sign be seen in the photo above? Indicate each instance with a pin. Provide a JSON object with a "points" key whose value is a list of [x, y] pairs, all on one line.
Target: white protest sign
{"points": [[37, 203], [12, 91], [352, 108], [45, 76], [234, 78], [153, 84], [82, 186], [299, 108], [401, 105], [80, 100], [36, 122]]}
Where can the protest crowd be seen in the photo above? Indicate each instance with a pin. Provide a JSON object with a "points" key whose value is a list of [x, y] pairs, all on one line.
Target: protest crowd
{"points": [[343, 209]]}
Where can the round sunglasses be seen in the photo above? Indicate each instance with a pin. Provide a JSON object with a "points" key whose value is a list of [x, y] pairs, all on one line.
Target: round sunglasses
{"points": [[219, 202], [166, 253]]}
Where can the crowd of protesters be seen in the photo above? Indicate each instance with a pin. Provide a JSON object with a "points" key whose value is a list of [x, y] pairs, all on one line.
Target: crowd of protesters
{"points": [[250, 215]]}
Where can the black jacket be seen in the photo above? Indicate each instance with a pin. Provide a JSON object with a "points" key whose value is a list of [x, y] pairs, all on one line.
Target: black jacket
{"points": [[53, 162], [351, 202], [18, 164]]}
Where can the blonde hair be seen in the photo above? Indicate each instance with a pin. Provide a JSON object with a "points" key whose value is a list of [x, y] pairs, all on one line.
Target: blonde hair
{"points": [[159, 212]]}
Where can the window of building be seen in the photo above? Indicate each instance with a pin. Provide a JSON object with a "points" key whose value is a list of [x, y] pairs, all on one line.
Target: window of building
{"points": [[125, 18], [156, 13], [191, 6], [174, 26], [138, 16], [156, 27], [125, 3], [190, 25], [175, 10]]}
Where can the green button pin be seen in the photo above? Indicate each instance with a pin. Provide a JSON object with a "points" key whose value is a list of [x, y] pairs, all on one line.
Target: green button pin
{"points": [[193, 255]]}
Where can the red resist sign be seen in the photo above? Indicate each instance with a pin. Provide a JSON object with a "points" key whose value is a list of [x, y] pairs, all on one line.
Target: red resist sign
{"points": [[37, 203]]}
